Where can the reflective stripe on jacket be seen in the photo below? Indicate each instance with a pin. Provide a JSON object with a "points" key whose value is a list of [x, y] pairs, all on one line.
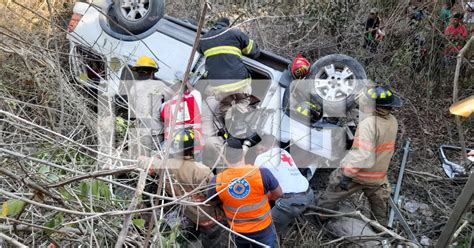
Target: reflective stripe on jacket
{"points": [[374, 144], [223, 49], [230, 87], [244, 201]]}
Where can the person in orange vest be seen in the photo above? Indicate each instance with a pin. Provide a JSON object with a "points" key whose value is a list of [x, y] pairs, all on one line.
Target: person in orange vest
{"points": [[245, 191], [364, 168]]}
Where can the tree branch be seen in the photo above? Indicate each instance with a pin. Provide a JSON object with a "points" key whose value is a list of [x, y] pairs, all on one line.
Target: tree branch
{"points": [[24, 226], [133, 205], [94, 175], [358, 214], [12, 240]]}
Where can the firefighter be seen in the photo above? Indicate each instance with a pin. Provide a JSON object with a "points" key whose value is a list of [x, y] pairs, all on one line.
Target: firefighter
{"points": [[245, 191], [223, 49], [188, 116], [189, 175], [365, 166], [227, 75], [144, 100], [300, 67], [297, 72], [297, 194]]}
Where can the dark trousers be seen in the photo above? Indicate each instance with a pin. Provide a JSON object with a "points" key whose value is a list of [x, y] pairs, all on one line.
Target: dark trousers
{"points": [[287, 209], [270, 239], [214, 237], [377, 194]]}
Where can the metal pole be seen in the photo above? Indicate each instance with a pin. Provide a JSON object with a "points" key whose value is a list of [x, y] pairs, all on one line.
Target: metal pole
{"points": [[462, 204], [402, 220], [396, 195]]}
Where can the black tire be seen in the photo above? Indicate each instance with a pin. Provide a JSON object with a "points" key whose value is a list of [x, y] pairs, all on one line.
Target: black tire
{"points": [[156, 11], [338, 107]]}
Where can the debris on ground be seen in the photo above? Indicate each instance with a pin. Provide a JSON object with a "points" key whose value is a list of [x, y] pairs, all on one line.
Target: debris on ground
{"points": [[425, 241], [424, 209], [349, 227]]}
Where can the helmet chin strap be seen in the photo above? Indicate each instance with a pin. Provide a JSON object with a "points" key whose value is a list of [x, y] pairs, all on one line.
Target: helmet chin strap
{"points": [[382, 111]]}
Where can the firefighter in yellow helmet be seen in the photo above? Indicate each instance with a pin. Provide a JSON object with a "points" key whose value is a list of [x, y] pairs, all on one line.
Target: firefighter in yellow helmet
{"points": [[365, 166], [145, 65], [145, 97]]}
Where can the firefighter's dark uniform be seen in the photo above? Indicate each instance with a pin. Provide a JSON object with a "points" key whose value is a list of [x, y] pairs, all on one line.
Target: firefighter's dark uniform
{"points": [[223, 49], [227, 75]]}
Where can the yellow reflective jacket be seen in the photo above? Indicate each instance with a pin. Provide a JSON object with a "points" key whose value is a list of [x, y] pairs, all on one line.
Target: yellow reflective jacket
{"points": [[374, 144]]}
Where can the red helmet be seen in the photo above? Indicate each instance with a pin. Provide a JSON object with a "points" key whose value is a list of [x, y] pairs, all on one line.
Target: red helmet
{"points": [[300, 67]]}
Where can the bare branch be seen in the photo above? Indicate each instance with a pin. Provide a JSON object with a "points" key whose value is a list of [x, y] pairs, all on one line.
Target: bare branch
{"points": [[94, 175], [132, 206], [12, 240]]}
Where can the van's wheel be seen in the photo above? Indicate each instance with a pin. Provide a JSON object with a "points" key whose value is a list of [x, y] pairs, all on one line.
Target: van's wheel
{"points": [[337, 80], [137, 16]]}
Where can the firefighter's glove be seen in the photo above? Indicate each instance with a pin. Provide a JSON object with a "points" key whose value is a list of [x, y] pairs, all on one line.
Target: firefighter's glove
{"points": [[344, 184]]}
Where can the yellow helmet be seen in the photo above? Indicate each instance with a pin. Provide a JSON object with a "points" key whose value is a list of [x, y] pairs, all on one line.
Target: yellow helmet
{"points": [[147, 63]]}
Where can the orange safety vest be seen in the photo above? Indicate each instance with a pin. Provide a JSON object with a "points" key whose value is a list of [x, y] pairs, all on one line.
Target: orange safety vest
{"points": [[245, 202]]}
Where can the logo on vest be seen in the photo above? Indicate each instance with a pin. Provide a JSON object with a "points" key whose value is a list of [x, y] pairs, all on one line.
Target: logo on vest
{"points": [[239, 188]]}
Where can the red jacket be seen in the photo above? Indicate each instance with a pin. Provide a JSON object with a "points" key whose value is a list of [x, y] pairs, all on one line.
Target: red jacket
{"points": [[188, 116], [456, 35]]}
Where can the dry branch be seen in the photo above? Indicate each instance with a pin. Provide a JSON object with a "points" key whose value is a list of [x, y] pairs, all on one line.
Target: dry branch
{"points": [[358, 214], [27, 227], [31, 184], [94, 175], [132, 206], [64, 137], [11, 240], [23, 156]]}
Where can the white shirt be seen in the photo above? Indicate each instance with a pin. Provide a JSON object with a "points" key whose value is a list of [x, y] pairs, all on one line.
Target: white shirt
{"points": [[284, 169], [144, 101]]}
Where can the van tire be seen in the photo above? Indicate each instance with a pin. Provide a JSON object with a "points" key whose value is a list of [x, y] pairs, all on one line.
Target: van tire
{"points": [[156, 11], [338, 107]]}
